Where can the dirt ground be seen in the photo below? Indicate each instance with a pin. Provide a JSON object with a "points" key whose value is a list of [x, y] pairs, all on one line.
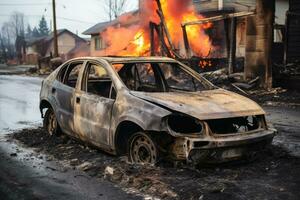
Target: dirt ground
{"points": [[274, 175]]}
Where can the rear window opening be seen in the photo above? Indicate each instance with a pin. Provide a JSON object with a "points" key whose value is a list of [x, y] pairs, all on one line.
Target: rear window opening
{"points": [[235, 125]]}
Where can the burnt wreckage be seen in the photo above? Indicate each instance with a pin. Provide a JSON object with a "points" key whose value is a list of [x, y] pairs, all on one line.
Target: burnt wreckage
{"points": [[151, 107]]}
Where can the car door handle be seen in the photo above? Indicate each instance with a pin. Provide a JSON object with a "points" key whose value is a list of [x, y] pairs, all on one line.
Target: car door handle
{"points": [[53, 90], [77, 99]]}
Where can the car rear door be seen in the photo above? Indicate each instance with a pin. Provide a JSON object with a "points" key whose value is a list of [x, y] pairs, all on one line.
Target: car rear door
{"points": [[63, 92], [93, 107]]}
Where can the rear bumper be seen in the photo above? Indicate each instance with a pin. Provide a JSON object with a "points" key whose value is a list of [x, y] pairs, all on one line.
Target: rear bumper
{"points": [[221, 149]]}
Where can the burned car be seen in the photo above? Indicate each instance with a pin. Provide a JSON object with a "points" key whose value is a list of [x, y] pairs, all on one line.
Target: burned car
{"points": [[149, 108]]}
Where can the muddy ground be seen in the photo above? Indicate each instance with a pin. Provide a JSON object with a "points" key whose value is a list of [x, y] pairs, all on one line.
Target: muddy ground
{"points": [[274, 175]]}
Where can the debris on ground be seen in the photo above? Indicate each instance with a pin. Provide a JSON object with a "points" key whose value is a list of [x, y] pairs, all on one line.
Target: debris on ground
{"points": [[222, 79], [230, 181], [235, 82], [109, 170], [85, 166]]}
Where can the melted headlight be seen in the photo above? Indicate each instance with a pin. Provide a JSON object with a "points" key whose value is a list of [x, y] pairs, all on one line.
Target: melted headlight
{"points": [[184, 124]]}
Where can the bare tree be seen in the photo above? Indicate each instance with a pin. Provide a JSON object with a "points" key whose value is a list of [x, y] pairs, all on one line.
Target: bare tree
{"points": [[17, 21], [6, 31], [7, 37], [115, 8], [3, 56]]}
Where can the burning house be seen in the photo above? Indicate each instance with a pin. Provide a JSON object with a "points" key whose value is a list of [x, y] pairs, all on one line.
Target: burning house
{"points": [[130, 34]]}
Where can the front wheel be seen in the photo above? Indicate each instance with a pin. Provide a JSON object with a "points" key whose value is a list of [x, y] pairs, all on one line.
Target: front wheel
{"points": [[50, 123], [142, 149]]}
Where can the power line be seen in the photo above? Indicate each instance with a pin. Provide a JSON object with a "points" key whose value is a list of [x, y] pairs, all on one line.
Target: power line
{"points": [[75, 20], [24, 4], [63, 18]]}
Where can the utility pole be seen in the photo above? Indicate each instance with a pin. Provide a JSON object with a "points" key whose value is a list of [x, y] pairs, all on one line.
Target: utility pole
{"points": [[54, 30]]}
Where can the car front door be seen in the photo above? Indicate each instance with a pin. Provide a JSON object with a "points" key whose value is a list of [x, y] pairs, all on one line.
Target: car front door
{"points": [[64, 91], [93, 107]]}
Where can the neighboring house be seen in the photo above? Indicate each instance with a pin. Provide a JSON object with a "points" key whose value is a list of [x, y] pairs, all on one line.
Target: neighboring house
{"points": [[97, 45], [68, 42]]}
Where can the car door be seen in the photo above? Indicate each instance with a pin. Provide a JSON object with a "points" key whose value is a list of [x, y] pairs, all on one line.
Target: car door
{"points": [[64, 91], [93, 108]]}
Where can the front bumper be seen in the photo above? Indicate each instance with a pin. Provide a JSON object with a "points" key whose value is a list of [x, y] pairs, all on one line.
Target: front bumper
{"points": [[221, 148]]}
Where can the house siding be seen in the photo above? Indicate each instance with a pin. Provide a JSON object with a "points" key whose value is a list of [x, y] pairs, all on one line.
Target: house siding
{"points": [[65, 44], [31, 50], [93, 50]]}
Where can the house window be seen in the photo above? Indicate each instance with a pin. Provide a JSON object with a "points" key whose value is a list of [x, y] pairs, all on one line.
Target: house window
{"points": [[99, 43]]}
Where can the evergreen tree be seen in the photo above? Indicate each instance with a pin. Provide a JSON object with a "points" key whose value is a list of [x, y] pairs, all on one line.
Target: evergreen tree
{"points": [[35, 32], [43, 27]]}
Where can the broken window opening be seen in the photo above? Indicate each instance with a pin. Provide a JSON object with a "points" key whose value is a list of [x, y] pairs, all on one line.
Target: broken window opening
{"points": [[71, 74], [158, 77], [178, 79], [98, 81]]}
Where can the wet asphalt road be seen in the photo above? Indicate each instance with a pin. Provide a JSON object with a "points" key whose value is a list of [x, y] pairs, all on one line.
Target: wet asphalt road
{"points": [[19, 102], [25, 174]]}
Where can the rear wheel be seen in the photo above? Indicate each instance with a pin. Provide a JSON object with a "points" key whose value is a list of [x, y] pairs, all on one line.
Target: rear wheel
{"points": [[50, 123], [142, 149]]}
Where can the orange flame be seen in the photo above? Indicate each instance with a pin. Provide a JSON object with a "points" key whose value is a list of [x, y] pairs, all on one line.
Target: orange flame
{"points": [[134, 40]]}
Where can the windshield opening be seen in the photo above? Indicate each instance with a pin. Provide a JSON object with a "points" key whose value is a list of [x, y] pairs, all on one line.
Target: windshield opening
{"points": [[158, 77]]}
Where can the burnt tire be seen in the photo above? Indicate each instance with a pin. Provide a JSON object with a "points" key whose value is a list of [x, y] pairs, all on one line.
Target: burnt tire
{"points": [[50, 123], [142, 149]]}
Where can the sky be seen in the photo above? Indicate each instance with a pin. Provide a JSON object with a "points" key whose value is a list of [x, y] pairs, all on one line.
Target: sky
{"points": [[75, 15]]}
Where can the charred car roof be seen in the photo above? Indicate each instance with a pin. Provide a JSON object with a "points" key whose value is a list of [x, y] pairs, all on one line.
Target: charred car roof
{"points": [[124, 59]]}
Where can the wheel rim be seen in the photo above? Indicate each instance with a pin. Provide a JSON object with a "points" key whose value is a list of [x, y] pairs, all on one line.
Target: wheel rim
{"points": [[143, 150], [52, 124]]}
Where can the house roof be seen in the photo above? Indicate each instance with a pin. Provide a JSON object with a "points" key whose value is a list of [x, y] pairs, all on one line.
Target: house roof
{"points": [[99, 27], [33, 40], [50, 37], [61, 31]]}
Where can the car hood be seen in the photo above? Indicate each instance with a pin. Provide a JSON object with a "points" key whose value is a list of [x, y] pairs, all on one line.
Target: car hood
{"points": [[211, 104]]}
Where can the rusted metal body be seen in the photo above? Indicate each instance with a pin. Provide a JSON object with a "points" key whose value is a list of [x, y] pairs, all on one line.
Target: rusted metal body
{"points": [[107, 122]]}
